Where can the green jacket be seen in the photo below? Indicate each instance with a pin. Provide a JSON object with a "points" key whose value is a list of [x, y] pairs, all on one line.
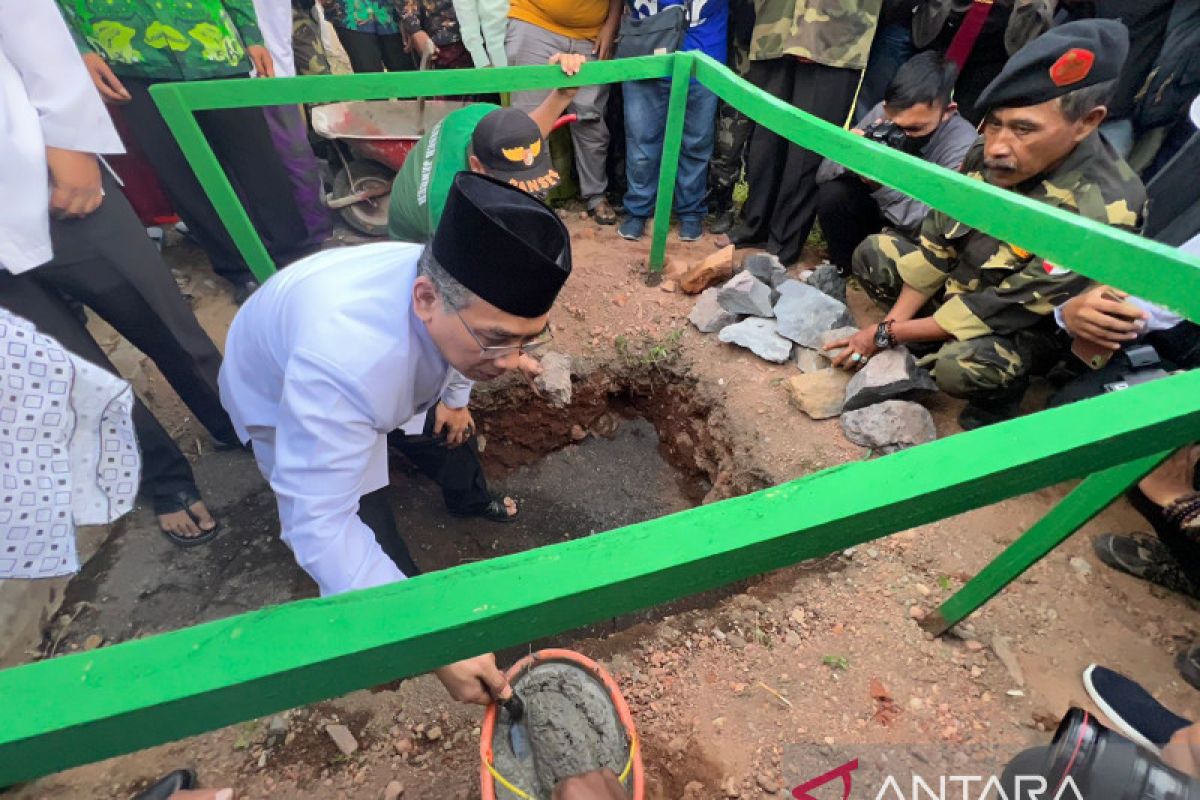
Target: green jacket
{"points": [[836, 33], [166, 40]]}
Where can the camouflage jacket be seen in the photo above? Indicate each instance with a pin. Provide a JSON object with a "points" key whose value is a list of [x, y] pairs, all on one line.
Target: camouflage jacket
{"points": [[371, 16], [435, 17], [837, 33], [995, 287], [173, 41]]}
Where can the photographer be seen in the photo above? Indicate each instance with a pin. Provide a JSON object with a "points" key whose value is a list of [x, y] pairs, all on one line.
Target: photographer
{"points": [[917, 117]]}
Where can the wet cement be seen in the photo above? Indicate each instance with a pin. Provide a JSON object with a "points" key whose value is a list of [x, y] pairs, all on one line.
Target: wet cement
{"points": [[572, 728]]}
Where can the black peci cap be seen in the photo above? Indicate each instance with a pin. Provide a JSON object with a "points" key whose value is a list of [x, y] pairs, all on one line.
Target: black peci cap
{"points": [[1061, 60], [503, 244]]}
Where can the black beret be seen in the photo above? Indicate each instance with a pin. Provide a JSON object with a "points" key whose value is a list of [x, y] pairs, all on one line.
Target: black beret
{"points": [[1061, 60], [506, 246]]}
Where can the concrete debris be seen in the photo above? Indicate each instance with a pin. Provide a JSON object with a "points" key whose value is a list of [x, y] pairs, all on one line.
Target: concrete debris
{"points": [[810, 360], [555, 381], [826, 278], [746, 294], [889, 426], [707, 315], [766, 267], [714, 269], [343, 738], [819, 394], [760, 337], [889, 375], [804, 313]]}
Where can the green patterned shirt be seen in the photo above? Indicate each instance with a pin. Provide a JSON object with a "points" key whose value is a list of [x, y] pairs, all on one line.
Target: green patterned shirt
{"points": [[169, 40]]}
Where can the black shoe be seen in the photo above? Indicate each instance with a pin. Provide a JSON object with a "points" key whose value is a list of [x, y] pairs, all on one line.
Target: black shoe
{"points": [[1188, 664], [177, 781], [1132, 710], [979, 415], [1143, 556], [242, 291], [721, 222]]}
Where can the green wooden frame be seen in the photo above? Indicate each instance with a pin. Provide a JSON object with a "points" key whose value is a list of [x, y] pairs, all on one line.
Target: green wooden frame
{"points": [[88, 706]]}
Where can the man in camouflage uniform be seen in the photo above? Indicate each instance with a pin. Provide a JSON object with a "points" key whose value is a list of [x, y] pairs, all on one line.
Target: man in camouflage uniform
{"points": [[809, 53], [991, 302], [733, 127]]}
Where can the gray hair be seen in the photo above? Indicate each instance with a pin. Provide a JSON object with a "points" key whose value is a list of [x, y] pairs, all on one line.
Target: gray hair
{"points": [[455, 296], [1076, 105]]}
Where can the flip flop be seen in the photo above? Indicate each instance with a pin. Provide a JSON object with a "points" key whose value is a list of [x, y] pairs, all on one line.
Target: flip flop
{"points": [[183, 501], [494, 511], [176, 781]]}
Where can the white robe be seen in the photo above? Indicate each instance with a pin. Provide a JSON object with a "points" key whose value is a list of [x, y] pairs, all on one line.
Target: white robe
{"points": [[321, 363]]}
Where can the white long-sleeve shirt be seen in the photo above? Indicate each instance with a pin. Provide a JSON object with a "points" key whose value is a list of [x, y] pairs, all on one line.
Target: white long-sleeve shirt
{"points": [[46, 100], [482, 25], [321, 363]]}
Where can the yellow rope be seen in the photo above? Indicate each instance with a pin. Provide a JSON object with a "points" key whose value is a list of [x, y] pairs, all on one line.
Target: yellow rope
{"points": [[623, 777]]}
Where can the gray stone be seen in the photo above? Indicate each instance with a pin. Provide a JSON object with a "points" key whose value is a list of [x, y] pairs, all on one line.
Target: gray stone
{"points": [[707, 315], [809, 360], [889, 375], [833, 336], [760, 337], [555, 381], [889, 426], [826, 278], [746, 294], [1004, 652], [819, 394], [343, 738], [766, 267], [804, 313]]}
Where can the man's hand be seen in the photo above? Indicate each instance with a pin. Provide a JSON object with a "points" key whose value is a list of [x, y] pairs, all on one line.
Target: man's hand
{"points": [[1183, 751], [420, 44], [606, 39], [599, 785], [456, 422], [862, 343], [75, 189], [570, 63], [1100, 316], [264, 65], [107, 83], [475, 680]]}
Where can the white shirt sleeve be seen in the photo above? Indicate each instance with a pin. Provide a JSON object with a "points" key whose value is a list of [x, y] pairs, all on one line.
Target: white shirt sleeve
{"points": [[72, 115], [457, 393], [467, 12], [323, 443]]}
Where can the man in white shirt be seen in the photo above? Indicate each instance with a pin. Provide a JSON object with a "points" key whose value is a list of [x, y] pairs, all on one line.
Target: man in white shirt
{"points": [[67, 231], [343, 347]]}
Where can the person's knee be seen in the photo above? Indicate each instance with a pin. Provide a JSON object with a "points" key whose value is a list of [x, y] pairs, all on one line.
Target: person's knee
{"points": [[874, 260], [968, 369]]}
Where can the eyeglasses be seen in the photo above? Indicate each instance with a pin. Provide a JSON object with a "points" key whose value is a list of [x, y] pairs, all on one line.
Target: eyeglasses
{"points": [[495, 352]]}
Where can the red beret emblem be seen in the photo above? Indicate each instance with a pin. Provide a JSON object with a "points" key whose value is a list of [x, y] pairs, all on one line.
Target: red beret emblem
{"points": [[1072, 66]]}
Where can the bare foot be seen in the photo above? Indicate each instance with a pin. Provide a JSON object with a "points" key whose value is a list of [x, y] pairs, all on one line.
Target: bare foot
{"points": [[181, 525], [1173, 479]]}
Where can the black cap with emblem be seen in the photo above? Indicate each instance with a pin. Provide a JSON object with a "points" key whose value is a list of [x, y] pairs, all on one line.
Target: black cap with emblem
{"points": [[510, 146], [503, 244], [1061, 60]]}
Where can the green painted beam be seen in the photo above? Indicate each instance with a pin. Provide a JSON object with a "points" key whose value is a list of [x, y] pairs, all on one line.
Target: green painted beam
{"points": [[1140, 266], [1086, 501], [681, 78], [89, 706]]}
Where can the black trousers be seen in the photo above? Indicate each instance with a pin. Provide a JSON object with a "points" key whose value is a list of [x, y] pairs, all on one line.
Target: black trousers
{"points": [[106, 262], [371, 52], [848, 214], [458, 472], [782, 204], [242, 142]]}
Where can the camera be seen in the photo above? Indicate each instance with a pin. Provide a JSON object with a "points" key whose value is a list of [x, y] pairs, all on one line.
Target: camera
{"points": [[889, 133], [1104, 764]]}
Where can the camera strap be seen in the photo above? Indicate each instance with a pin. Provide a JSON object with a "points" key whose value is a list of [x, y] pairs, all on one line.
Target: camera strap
{"points": [[964, 39]]}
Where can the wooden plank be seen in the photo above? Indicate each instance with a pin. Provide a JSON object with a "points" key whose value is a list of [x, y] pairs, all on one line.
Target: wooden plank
{"points": [[1141, 266], [101, 703], [681, 77], [1087, 500]]}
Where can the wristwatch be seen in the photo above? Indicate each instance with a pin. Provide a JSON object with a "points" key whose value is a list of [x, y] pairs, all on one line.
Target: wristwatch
{"points": [[883, 335]]}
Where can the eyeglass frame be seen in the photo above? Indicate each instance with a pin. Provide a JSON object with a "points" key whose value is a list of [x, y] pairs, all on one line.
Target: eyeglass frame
{"points": [[496, 352]]}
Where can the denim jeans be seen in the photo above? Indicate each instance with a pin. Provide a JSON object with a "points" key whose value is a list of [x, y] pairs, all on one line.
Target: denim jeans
{"points": [[645, 124], [892, 47]]}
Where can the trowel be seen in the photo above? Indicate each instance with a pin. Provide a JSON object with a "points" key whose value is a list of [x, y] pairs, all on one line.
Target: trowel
{"points": [[518, 736]]}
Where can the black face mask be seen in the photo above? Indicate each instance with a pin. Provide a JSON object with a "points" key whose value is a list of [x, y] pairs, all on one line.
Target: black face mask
{"points": [[913, 145]]}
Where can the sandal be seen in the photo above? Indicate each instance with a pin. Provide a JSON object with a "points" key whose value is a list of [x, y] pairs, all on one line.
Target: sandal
{"points": [[494, 511], [176, 781], [183, 501], [603, 213]]}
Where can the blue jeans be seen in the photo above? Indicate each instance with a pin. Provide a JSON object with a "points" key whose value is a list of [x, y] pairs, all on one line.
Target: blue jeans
{"points": [[892, 47], [645, 124]]}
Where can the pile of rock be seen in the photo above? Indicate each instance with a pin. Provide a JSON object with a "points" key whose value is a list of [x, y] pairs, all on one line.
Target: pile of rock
{"points": [[781, 320]]}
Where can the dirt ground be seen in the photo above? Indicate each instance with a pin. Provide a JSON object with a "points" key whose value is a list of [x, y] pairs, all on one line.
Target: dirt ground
{"points": [[725, 687]]}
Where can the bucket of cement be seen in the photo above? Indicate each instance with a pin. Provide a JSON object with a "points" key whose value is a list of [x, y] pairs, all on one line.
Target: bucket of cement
{"points": [[575, 721]]}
